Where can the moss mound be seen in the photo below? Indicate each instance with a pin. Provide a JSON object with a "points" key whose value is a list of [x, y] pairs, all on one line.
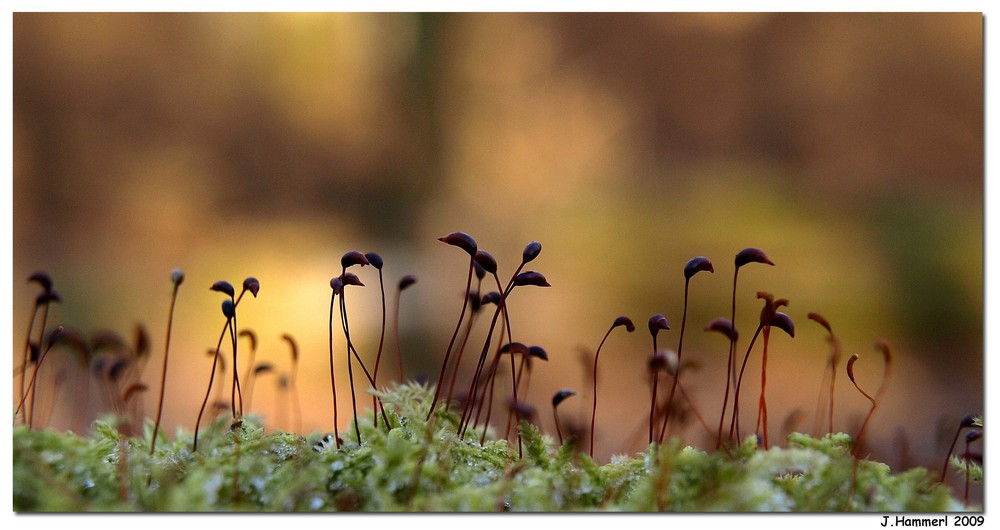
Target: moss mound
{"points": [[425, 467]]}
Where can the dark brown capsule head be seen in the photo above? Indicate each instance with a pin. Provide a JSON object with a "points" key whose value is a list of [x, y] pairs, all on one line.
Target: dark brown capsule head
{"points": [[531, 251], [515, 347], [486, 261], [176, 277], [223, 286], [116, 368], [41, 278], [228, 309], [822, 321], [751, 255], [475, 303], [538, 352], [561, 396], [479, 270], [523, 409], [624, 321], [973, 436], [461, 240], [657, 323], [968, 421], [724, 326], [491, 297], [696, 265], [353, 258], [374, 260], [783, 322], [49, 297], [349, 278], [407, 281], [337, 285], [531, 278], [251, 284]]}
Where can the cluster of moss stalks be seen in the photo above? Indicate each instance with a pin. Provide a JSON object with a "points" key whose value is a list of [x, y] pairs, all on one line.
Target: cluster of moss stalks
{"points": [[424, 466]]}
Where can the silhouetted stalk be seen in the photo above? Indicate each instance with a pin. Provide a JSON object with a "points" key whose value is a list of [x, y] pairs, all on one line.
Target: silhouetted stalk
{"points": [[466, 243], [489, 383], [476, 306], [969, 438], [558, 398], [967, 423], [692, 267], [236, 390], [30, 390], [352, 279], [451, 343], [293, 379], [211, 379], [27, 353], [860, 438], [177, 277], [620, 321], [376, 261], [833, 359], [337, 285], [473, 388], [404, 283], [734, 422], [657, 323], [535, 278], [30, 411], [524, 369], [43, 299], [743, 257], [260, 368], [251, 359]]}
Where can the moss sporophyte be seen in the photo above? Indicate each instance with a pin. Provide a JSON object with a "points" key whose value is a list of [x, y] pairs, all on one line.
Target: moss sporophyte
{"points": [[419, 447]]}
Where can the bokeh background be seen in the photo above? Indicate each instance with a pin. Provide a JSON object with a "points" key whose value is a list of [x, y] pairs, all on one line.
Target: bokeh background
{"points": [[849, 147]]}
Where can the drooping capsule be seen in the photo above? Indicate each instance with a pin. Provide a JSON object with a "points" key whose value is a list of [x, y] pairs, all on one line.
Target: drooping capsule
{"points": [[353, 257], [251, 284], [461, 240], [531, 251], [696, 265], [223, 286], [751, 255]]}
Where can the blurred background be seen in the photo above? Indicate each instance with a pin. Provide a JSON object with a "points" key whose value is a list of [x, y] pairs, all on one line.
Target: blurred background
{"points": [[847, 146]]}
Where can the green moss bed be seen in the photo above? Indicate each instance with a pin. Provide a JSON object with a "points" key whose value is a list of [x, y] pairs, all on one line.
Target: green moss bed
{"points": [[425, 467]]}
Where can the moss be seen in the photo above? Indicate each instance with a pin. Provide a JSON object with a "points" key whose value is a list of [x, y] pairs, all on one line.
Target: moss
{"points": [[421, 466]]}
